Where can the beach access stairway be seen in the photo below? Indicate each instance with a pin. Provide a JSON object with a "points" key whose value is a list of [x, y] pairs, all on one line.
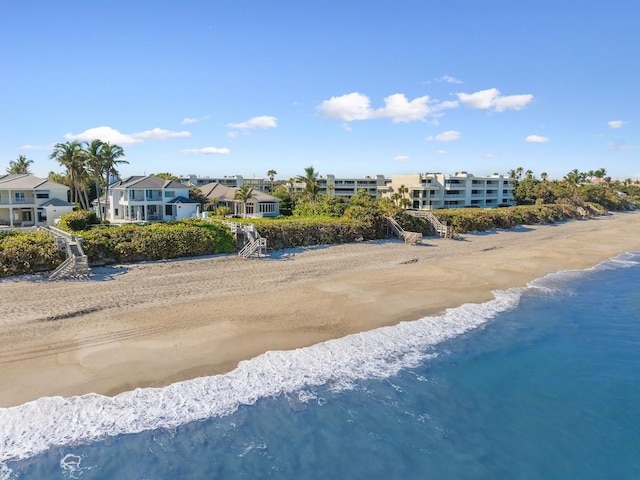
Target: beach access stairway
{"points": [[253, 244], [440, 228], [76, 263], [408, 237]]}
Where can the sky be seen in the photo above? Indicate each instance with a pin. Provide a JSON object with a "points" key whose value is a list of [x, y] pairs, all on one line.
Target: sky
{"points": [[352, 88]]}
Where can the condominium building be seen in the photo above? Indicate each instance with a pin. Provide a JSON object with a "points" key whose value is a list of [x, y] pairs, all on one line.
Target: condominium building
{"points": [[429, 191], [344, 187], [232, 181]]}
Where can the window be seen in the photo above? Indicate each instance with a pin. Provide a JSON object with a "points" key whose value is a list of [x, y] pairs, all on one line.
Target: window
{"points": [[168, 210], [18, 197], [26, 215], [42, 194], [169, 193], [267, 207]]}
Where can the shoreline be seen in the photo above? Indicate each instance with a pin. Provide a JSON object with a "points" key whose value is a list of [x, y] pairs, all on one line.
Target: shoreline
{"points": [[152, 324]]}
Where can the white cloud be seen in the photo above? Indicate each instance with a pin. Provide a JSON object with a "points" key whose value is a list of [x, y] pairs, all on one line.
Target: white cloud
{"points": [[616, 123], [349, 107], [262, 122], [449, 79], [208, 150], [442, 152], [37, 147], [401, 158], [189, 121], [619, 146], [536, 139], [357, 106], [488, 155], [494, 100], [448, 136], [401, 110], [160, 134], [108, 134]]}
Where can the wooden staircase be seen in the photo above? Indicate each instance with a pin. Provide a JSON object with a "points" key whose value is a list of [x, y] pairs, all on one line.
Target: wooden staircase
{"points": [[440, 228], [408, 237], [254, 244], [76, 264]]}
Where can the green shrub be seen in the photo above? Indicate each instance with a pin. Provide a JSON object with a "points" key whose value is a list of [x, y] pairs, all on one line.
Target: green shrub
{"points": [[28, 252], [78, 220], [158, 241]]}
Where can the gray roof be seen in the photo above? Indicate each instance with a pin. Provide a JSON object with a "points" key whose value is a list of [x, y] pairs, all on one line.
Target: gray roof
{"points": [[28, 182], [148, 181], [56, 202], [182, 199], [224, 193]]}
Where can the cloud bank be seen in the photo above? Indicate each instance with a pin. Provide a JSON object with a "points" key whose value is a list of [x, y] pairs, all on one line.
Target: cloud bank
{"points": [[111, 135]]}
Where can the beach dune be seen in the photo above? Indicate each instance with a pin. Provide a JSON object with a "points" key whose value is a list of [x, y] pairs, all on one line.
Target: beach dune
{"points": [[152, 324]]}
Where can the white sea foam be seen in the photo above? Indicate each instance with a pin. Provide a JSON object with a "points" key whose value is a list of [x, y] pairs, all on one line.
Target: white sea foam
{"points": [[32, 428]]}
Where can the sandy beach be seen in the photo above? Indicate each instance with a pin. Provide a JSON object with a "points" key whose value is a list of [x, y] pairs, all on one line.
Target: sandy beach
{"points": [[157, 323]]}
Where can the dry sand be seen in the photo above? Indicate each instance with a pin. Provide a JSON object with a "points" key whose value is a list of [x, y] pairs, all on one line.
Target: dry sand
{"points": [[156, 323]]}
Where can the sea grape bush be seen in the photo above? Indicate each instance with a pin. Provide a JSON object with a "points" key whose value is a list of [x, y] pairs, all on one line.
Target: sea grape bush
{"points": [[27, 252], [158, 241]]}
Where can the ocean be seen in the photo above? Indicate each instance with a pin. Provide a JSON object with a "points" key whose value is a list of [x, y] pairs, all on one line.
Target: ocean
{"points": [[542, 382]]}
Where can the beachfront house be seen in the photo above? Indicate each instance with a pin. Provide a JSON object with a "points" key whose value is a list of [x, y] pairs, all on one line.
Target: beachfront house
{"points": [[28, 201], [147, 199], [260, 204]]}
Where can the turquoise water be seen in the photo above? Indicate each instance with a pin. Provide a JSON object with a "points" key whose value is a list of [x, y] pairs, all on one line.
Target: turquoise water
{"points": [[541, 383]]}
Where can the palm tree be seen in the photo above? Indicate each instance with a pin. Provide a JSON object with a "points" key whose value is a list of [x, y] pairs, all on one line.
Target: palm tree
{"points": [[544, 176], [20, 166], [243, 195], [110, 154], [96, 164], [310, 180], [71, 156], [573, 177], [271, 174]]}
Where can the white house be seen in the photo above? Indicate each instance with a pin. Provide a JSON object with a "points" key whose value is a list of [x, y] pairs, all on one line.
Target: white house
{"points": [[148, 198], [260, 205], [429, 191], [27, 201]]}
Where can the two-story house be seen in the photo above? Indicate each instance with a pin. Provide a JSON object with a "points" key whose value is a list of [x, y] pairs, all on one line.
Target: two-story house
{"points": [[260, 204], [27, 201], [149, 198]]}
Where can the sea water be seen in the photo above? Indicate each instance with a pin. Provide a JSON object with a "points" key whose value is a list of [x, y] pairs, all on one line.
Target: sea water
{"points": [[540, 383]]}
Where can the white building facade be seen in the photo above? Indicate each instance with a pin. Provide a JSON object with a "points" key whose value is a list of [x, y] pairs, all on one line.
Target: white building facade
{"points": [[430, 191], [28, 201], [148, 199], [345, 187]]}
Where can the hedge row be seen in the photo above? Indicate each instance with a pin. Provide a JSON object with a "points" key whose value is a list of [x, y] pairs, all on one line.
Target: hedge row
{"points": [[27, 252], [158, 241], [299, 232], [478, 220]]}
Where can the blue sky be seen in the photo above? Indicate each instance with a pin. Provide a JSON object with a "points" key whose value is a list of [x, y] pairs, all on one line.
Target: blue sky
{"points": [[353, 88]]}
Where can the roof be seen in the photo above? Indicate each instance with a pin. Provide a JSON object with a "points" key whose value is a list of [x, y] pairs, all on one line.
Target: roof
{"points": [[146, 181], [182, 199], [225, 193], [28, 182], [56, 202]]}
